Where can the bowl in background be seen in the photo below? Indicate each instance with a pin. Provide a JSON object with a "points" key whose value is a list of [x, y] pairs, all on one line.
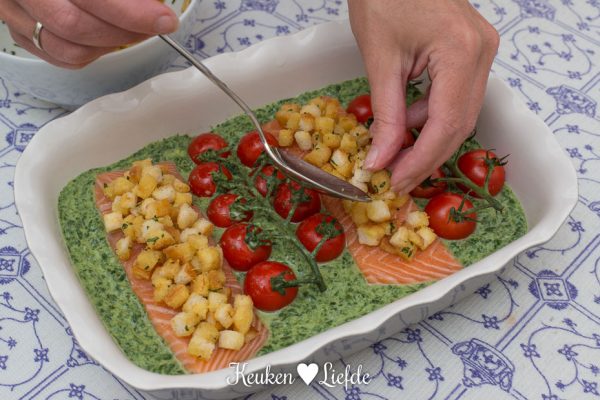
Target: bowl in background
{"points": [[114, 72]]}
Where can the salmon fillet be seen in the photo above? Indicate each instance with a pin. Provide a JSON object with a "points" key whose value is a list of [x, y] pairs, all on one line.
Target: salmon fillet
{"points": [[160, 315], [378, 266]]}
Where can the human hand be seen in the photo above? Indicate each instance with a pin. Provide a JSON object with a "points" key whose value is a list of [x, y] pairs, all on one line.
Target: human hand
{"points": [[76, 32], [398, 39]]}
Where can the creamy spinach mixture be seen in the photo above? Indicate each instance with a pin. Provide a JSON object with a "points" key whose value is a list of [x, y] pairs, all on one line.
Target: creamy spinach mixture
{"points": [[348, 296]]}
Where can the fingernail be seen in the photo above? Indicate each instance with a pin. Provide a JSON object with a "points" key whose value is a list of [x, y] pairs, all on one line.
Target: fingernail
{"points": [[371, 157], [166, 24]]}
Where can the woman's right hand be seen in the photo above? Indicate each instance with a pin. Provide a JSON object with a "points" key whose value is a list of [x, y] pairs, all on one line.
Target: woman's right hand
{"points": [[76, 32]]}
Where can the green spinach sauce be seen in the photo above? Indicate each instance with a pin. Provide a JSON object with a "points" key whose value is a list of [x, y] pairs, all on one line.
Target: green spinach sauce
{"points": [[348, 295]]}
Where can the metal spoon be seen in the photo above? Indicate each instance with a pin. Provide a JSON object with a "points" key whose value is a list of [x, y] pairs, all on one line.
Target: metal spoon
{"points": [[290, 165]]}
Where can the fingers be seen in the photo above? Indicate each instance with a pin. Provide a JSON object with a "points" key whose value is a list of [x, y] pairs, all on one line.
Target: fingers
{"points": [[388, 86], [56, 50], [416, 114], [143, 16], [446, 127]]}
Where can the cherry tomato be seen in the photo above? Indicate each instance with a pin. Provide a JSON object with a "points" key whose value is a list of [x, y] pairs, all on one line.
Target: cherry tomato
{"points": [[204, 142], [310, 234], [257, 285], [261, 183], [251, 147], [201, 180], [219, 212], [438, 210], [474, 165], [237, 252], [427, 190], [361, 108], [283, 201]]}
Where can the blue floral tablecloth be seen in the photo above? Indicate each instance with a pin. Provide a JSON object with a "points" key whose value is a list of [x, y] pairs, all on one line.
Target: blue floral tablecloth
{"points": [[531, 333]]}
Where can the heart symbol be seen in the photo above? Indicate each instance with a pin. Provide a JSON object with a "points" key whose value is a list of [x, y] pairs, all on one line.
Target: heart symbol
{"points": [[307, 372]]}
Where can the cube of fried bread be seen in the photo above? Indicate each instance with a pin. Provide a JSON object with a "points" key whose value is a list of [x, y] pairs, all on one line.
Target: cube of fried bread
{"points": [[147, 260], [231, 340], [304, 140], [121, 185], [215, 299], [415, 239], [185, 274], [202, 343], [378, 211], [166, 192], [428, 236], [400, 237], [180, 251], [161, 287], [358, 213], [167, 179], [145, 186], [224, 315], [347, 122], [149, 226], [332, 109], [187, 216], [332, 140], [197, 240], [361, 133], [184, 323], [132, 226], [347, 205], [182, 198], [318, 156], [135, 172], [153, 170], [398, 202], [324, 124], [307, 123], [341, 162], [417, 219], [216, 279], [407, 251], [180, 187], [204, 227], [370, 235], [210, 318], [123, 248], [349, 144], [196, 304], [285, 138], [200, 285], [311, 109], [176, 296], [226, 291], [112, 221], [361, 185], [210, 258], [381, 181], [293, 121], [159, 239], [243, 313]]}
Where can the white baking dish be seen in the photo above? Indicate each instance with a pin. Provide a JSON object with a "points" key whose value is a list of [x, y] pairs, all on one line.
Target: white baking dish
{"points": [[114, 126]]}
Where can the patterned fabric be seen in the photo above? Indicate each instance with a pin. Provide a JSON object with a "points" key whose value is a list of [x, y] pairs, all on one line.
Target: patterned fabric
{"points": [[532, 333]]}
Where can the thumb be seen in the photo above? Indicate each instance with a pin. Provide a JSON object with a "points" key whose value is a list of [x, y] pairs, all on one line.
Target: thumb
{"points": [[388, 87]]}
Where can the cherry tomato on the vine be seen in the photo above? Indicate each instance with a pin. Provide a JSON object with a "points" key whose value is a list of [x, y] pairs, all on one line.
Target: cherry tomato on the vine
{"points": [[438, 209], [313, 229], [261, 183], [204, 142], [257, 285], [474, 164], [361, 108], [427, 190], [251, 147], [201, 179], [219, 211], [283, 201], [242, 246]]}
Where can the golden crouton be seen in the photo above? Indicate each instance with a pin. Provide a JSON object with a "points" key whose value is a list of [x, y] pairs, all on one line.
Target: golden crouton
{"points": [[161, 287], [370, 235], [332, 140], [380, 181], [224, 315], [182, 198], [121, 185], [204, 226], [349, 144], [378, 211], [197, 240], [207, 331], [285, 138], [184, 323], [112, 221], [123, 248], [407, 251], [215, 300], [341, 162], [210, 258], [358, 213], [293, 121], [332, 108], [398, 202], [180, 187], [176, 296], [200, 285], [146, 186], [186, 274], [307, 122], [187, 216], [216, 279], [324, 124], [159, 239], [196, 304], [250, 335], [318, 156], [231, 340], [304, 140], [202, 343], [168, 270], [417, 219], [166, 192], [180, 251], [243, 313], [428, 236], [311, 109], [347, 122], [132, 226], [147, 260]]}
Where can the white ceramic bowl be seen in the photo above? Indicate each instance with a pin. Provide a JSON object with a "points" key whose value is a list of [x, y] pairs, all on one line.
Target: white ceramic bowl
{"points": [[114, 72], [186, 102]]}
